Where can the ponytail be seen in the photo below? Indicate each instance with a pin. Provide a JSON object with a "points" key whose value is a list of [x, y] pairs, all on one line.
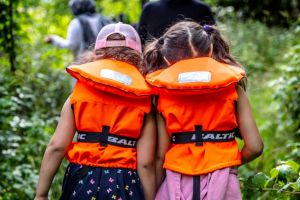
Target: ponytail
{"points": [[153, 58], [221, 51], [186, 40]]}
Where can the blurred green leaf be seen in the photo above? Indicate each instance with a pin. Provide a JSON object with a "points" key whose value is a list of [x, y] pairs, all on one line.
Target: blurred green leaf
{"points": [[284, 171], [293, 165], [274, 173], [260, 180]]}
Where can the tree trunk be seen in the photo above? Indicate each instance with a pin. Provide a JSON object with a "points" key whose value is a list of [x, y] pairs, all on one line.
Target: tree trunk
{"points": [[11, 45]]}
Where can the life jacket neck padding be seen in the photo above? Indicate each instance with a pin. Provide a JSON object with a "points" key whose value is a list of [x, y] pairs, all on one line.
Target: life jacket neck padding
{"points": [[111, 75], [196, 74]]}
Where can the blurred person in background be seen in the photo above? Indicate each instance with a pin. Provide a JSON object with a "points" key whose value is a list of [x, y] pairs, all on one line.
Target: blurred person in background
{"points": [[157, 16], [82, 30]]}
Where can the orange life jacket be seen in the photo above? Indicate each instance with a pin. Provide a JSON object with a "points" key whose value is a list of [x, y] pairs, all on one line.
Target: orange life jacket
{"points": [[197, 100], [109, 102]]}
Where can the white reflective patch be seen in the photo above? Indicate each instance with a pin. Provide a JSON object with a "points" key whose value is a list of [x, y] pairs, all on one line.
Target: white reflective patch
{"points": [[198, 76], [116, 76]]}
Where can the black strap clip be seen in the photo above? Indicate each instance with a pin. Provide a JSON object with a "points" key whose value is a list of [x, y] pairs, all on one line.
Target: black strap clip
{"points": [[104, 136], [198, 135]]}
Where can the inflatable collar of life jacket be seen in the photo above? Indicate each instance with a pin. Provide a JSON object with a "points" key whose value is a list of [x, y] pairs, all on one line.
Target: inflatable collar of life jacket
{"points": [[198, 75], [112, 76]]}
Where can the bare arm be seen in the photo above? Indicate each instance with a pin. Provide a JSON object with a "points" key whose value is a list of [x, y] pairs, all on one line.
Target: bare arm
{"points": [[253, 146], [73, 39], [56, 150], [163, 146], [145, 157]]}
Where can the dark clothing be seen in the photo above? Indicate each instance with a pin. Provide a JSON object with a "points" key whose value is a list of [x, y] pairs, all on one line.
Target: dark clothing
{"points": [[157, 16], [98, 183]]}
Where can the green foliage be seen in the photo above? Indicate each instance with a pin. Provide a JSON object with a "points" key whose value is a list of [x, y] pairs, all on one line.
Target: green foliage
{"points": [[275, 13], [29, 110], [288, 91], [256, 46], [30, 100], [281, 181], [31, 96], [287, 94], [7, 26], [130, 9]]}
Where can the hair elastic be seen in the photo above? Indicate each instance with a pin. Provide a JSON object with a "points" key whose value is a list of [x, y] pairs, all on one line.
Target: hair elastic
{"points": [[161, 41], [207, 28]]}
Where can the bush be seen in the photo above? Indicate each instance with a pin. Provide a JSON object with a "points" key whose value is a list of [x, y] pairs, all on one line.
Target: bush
{"points": [[256, 46], [30, 101], [31, 97], [274, 13], [283, 180], [288, 92]]}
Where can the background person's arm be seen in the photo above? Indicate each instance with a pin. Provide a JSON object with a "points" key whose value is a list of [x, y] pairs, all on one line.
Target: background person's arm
{"points": [[146, 156], [74, 36], [253, 144], [56, 150]]}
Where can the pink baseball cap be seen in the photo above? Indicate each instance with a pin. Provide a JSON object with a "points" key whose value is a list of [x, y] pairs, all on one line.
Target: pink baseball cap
{"points": [[132, 39]]}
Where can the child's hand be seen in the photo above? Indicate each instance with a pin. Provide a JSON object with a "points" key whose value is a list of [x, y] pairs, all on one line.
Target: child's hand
{"points": [[48, 39]]}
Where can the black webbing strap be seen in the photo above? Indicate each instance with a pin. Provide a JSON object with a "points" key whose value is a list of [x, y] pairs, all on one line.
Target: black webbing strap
{"points": [[200, 136], [196, 187], [105, 137], [238, 133], [67, 192]]}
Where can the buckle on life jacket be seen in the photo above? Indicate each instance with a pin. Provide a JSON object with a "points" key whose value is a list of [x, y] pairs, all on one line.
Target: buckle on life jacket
{"points": [[105, 137], [200, 136]]}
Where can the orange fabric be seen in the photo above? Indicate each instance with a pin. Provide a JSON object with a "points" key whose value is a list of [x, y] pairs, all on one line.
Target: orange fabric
{"points": [[90, 73], [94, 108], [183, 107], [222, 75]]}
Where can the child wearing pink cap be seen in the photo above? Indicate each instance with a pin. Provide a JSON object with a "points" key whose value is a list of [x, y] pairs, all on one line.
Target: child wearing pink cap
{"points": [[110, 109]]}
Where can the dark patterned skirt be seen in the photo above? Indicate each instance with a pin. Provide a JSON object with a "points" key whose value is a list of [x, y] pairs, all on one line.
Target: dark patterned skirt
{"points": [[97, 183]]}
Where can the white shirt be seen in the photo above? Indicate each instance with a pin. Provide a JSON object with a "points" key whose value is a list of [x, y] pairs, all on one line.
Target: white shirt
{"points": [[75, 40]]}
